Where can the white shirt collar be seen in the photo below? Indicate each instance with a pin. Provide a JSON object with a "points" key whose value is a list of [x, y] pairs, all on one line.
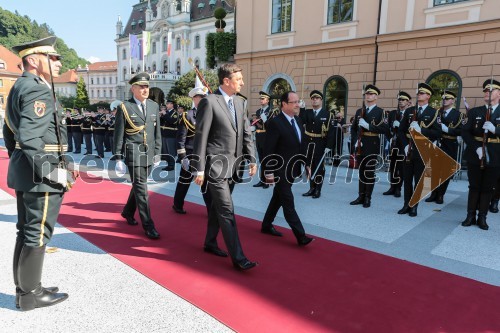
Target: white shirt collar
{"points": [[139, 102], [226, 96], [288, 117], [423, 107]]}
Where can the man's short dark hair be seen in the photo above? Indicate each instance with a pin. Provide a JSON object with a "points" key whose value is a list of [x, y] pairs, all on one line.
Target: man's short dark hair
{"points": [[284, 97], [226, 70]]}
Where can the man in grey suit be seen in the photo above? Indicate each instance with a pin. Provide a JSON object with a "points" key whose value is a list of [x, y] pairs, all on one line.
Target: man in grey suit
{"points": [[223, 140], [137, 127]]}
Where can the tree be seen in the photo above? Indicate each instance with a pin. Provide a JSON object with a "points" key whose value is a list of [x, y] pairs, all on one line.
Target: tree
{"points": [[82, 98], [186, 82], [67, 101]]}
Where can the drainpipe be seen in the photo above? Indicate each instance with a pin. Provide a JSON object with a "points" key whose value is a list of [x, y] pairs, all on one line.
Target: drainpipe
{"points": [[376, 43]]}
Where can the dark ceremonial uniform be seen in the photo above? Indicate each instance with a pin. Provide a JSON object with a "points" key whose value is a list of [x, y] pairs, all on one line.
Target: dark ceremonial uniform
{"points": [[87, 133], [369, 149], [185, 140], [481, 180], [39, 138], [99, 129], [110, 125], [428, 119], [169, 122], [139, 132], [69, 130], [319, 135], [397, 153], [76, 130]]}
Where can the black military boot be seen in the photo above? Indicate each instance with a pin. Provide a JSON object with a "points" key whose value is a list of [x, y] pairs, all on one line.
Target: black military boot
{"points": [[470, 219], [433, 197], [494, 206], [397, 192], [405, 210], [29, 273], [481, 221], [390, 191], [311, 190]]}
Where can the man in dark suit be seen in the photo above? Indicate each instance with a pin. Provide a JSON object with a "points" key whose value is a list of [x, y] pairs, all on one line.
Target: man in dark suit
{"points": [[137, 126], [286, 144], [369, 123], [222, 141], [424, 119]]}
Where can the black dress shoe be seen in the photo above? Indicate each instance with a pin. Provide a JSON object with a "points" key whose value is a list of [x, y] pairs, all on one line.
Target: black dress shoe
{"points": [[39, 298], [316, 194], [259, 184], [413, 211], [304, 240], [397, 193], [271, 231], [439, 200], [308, 193], [151, 233], [130, 219], [469, 220], [404, 210], [391, 191], [481, 222], [360, 200], [265, 185], [432, 198], [367, 203], [215, 250], [494, 206], [178, 210], [244, 265], [18, 293]]}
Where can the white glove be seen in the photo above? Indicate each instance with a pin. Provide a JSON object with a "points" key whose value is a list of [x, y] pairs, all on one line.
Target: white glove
{"points": [[263, 117], [415, 126], [155, 164], [302, 104], [59, 176], [395, 124], [488, 126], [120, 168], [459, 140], [406, 149], [444, 128], [356, 144], [185, 164], [479, 152], [327, 150], [364, 124]]}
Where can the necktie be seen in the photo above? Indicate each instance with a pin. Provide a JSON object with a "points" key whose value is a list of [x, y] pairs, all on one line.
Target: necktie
{"points": [[233, 112], [295, 129], [143, 108], [419, 110], [194, 113]]}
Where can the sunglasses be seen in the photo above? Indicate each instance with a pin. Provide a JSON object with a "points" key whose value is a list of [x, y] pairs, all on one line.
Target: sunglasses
{"points": [[448, 98], [422, 93], [402, 99], [55, 57]]}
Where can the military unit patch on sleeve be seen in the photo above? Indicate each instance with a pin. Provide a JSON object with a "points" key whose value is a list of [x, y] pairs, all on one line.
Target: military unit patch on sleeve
{"points": [[39, 108]]}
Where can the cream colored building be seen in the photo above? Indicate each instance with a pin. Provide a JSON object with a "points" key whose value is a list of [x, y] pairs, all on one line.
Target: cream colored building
{"points": [[333, 46], [101, 80]]}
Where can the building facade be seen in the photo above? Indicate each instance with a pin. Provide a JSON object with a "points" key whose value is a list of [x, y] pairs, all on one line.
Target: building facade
{"points": [[180, 26], [101, 80], [345, 43], [65, 84], [10, 70]]}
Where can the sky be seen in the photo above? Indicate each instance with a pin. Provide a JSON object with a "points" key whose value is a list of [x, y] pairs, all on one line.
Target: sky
{"points": [[87, 26]]}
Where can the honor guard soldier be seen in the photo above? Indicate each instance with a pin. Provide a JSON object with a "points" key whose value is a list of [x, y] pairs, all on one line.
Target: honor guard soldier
{"points": [[319, 132], [494, 200], [137, 130], [397, 149], [451, 126], [37, 169], [263, 115], [369, 122], [169, 121], [111, 126], [481, 133], [425, 120], [76, 129], [185, 140], [69, 130], [87, 131], [99, 129], [108, 135]]}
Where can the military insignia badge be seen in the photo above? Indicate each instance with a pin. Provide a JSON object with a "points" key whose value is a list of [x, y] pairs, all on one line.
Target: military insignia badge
{"points": [[439, 120], [63, 121], [464, 121], [39, 108]]}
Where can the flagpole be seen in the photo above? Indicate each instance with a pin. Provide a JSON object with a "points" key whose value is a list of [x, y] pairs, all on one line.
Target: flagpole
{"points": [[129, 56]]}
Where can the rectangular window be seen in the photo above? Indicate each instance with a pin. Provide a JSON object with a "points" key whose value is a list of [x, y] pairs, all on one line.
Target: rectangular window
{"points": [[2, 65], [444, 2], [2, 101], [340, 11], [1, 83], [282, 16], [178, 43], [98, 80], [110, 93], [154, 48]]}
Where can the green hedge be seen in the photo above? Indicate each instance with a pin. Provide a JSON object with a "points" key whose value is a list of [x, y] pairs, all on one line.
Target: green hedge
{"points": [[221, 45]]}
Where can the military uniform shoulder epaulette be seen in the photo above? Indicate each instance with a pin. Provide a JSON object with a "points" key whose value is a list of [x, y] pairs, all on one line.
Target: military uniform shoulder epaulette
{"points": [[242, 96]]}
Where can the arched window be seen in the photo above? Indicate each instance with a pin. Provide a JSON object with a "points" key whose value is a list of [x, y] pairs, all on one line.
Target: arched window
{"points": [[178, 66], [154, 48], [178, 43], [124, 73], [277, 88], [154, 66], [164, 44], [124, 54], [165, 66], [335, 91], [444, 80]]}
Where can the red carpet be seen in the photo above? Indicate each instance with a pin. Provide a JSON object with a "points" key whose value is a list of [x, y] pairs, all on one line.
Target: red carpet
{"points": [[326, 286]]}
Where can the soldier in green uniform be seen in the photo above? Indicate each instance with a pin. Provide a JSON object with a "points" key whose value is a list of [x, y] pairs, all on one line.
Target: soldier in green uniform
{"points": [[37, 170], [369, 123], [263, 115], [481, 133], [425, 120], [137, 128]]}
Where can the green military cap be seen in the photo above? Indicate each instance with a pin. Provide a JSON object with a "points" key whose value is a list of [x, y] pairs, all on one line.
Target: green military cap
{"points": [[371, 89], [316, 93], [263, 94], [404, 95], [41, 46], [425, 88], [448, 94], [491, 84], [140, 79]]}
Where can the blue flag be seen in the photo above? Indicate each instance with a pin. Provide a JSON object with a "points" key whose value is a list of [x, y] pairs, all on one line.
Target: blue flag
{"points": [[135, 51]]}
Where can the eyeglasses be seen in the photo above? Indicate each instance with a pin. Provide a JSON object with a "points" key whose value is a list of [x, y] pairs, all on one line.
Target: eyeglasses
{"points": [[54, 57]]}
